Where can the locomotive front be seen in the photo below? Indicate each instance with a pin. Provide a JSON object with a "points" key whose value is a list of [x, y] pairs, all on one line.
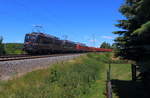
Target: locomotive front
{"points": [[30, 43]]}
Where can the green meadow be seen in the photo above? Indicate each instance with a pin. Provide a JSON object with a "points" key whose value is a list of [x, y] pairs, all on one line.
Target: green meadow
{"points": [[83, 77]]}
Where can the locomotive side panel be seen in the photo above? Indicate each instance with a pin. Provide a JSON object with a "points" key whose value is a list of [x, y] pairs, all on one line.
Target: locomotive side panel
{"points": [[69, 46]]}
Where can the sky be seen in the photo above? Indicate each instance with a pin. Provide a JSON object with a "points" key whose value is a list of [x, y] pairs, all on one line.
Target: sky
{"points": [[85, 21]]}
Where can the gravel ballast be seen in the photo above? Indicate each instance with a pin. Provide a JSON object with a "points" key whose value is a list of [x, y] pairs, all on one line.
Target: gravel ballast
{"points": [[10, 69]]}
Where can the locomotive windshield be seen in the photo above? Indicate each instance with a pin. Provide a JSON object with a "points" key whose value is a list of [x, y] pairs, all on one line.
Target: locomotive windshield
{"points": [[30, 38]]}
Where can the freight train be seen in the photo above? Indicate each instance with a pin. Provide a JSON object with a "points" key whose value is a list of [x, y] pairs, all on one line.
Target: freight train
{"points": [[40, 43]]}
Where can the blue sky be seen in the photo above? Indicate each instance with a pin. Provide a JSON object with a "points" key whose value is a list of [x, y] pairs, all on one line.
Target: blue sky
{"points": [[80, 20]]}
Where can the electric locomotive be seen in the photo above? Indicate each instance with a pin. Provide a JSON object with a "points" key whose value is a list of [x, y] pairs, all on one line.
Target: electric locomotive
{"points": [[40, 43]]}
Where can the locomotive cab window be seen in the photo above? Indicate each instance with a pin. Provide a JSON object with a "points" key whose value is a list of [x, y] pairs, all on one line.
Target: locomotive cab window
{"points": [[30, 38]]}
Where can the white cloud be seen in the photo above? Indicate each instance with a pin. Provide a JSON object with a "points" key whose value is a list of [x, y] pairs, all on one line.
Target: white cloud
{"points": [[107, 37], [93, 40]]}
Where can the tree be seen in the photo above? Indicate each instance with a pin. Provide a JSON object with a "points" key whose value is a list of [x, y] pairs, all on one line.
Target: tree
{"points": [[113, 46], [133, 41], [2, 50], [14, 48], [105, 45]]}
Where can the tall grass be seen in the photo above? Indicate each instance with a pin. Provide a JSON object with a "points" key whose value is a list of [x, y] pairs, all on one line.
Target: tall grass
{"points": [[72, 79]]}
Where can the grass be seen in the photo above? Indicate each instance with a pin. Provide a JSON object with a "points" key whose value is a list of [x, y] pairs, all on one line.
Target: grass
{"points": [[121, 71], [123, 86], [79, 78], [84, 77]]}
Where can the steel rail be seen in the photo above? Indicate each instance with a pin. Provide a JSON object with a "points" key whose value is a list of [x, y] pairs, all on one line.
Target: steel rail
{"points": [[11, 58]]}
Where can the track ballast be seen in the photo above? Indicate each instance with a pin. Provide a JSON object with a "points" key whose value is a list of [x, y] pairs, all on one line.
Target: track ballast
{"points": [[25, 56]]}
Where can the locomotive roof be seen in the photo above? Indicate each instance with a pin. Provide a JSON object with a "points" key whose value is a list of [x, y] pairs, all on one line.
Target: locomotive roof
{"points": [[81, 44], [51, 36], [69, 41], [45, 35]]}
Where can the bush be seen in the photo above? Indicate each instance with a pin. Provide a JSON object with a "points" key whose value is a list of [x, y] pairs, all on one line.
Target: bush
{"points": [[120, 61]]}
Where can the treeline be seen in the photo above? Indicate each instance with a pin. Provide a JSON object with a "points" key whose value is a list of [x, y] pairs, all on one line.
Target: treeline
{"points": [[14, 48], [2, 50], [10, 48], [107, 45], [133, 41]]}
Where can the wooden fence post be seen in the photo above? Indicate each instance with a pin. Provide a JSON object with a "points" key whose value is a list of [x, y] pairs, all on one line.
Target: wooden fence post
{"points": [[133, 68], [108, 83]]}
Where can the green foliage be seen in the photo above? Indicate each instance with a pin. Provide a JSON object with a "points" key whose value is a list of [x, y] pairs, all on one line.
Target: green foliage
{"points": [[105, 45], [73, 79], [145, 28], [133, 41], [2, 50], [114, 46], [102, 58], [108, 46], [14, 48], [120, 62]]}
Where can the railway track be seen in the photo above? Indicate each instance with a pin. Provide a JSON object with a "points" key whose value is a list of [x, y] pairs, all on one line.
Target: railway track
{"points": [[25, 56]]}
